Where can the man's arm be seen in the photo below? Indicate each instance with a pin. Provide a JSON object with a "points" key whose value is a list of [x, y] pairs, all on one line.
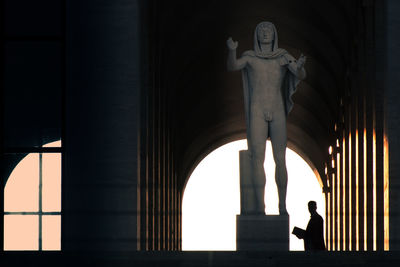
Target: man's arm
{"points": [[297, 67], [233, 63]]}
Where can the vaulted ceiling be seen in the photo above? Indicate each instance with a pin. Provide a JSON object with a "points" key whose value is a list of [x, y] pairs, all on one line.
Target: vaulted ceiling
{"points": [[206, 101]]}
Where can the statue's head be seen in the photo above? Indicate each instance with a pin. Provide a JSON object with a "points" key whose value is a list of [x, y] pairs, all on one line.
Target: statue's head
{"points": [[265, 33]]}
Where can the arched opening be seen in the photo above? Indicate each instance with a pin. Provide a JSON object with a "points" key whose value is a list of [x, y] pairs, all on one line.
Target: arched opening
{"points": [[211, 198], [32, 202]]}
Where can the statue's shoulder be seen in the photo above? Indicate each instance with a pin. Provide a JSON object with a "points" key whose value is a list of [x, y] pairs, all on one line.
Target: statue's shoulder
{"points": [[249, 53]]}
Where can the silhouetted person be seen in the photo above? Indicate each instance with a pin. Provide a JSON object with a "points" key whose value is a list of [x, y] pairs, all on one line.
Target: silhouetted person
{"points": [[314, 234]]}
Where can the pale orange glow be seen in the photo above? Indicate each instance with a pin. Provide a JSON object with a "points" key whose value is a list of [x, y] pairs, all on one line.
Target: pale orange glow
{"points": [[328, 236], [330, 150], [34, 187], [51, 232], [386, 191], [374, 187], [51, 182], [333, 163], [21, 232], [337, 143], [344, 192], [333, 212], [357, 196], [23, 181], [365, 187], [339, 237], [350, 195]]}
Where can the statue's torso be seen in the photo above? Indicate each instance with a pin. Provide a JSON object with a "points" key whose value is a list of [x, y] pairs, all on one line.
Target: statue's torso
{"points": [[266, 77]]}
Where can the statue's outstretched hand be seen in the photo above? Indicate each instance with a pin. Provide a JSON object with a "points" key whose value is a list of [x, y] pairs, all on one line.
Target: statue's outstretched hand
{"points": [[231, 44], [301, 61]]}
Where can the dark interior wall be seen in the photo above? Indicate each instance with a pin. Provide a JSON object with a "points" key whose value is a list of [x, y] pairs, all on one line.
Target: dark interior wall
{"points": [[33, 72]]}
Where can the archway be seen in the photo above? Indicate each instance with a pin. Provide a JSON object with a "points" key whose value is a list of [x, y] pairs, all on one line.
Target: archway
{"points": [[211, 198]]}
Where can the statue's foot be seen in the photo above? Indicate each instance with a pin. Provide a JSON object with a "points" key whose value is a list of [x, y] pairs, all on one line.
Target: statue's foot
{"points": [[283, 211]]}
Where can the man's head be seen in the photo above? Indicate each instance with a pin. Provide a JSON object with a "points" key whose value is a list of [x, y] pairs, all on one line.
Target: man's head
{"points": [[312, 206]]}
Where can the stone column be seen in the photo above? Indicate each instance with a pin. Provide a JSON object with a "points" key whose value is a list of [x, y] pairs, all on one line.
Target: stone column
{"points": [[99, 201], [391, 72]]}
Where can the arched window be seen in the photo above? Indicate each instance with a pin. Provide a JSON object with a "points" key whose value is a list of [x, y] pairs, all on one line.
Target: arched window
{"points": [[211, 199], [32, 202]]}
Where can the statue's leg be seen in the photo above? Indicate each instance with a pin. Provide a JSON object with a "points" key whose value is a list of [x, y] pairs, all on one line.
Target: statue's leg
{"points": [[279, 140], [257, 141]]}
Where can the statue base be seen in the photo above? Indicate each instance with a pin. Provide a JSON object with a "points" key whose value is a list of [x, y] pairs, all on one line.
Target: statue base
{"points": [[262, 232]]}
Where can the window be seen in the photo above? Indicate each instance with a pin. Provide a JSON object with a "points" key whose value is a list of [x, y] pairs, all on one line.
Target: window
{"points": [[32, 202]]}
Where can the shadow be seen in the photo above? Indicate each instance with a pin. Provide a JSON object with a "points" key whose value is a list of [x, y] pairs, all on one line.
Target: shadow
{"points": [[313, 236]]}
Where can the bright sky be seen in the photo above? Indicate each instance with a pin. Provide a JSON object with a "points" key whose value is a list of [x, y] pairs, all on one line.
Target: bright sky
{"points": [[211, 199]]}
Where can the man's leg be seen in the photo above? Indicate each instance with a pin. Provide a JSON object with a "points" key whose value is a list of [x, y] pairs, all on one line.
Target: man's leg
{"points": [[257, 141], [279, 140]]}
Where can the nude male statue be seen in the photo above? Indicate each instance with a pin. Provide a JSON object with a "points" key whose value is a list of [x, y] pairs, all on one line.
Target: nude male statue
{"points": [[270, 76]]}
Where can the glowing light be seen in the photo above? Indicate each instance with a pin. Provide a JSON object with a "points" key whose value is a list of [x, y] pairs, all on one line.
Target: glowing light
{"points": [[338, 199], [386, 191], [344, 192], [33, 222], [350, 195], [328, 236], [365, 186], [333, 212], [330, 150], [374, 187], [357, 197]]}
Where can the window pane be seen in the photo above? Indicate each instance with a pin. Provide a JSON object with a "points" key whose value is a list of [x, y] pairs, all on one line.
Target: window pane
{"points": [[51, 232], [22, 189], [53, 144], [51, 186], [21, 232]]}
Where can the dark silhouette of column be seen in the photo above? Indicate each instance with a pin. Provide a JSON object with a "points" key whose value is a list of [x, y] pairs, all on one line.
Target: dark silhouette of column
{"points": [[379, 120], [100, 209]]}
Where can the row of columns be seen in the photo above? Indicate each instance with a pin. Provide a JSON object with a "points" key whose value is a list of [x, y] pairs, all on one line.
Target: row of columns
{"points": [[357, 171], [159, 194]]}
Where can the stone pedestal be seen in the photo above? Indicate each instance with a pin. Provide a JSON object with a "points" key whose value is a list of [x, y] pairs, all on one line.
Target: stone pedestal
{"points": [[262, 232]]}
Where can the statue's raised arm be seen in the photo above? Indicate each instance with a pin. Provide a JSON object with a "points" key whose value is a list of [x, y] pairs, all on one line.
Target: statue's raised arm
{"points": [[234, 63]]}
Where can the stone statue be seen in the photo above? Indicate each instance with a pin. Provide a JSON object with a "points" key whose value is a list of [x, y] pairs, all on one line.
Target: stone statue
{"points": [[270, 77]]}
